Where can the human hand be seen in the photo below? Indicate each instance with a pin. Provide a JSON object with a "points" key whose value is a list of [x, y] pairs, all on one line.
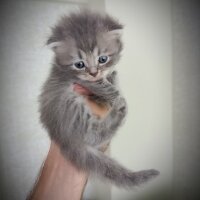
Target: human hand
{"points": [[59, 178], [99, 110]]}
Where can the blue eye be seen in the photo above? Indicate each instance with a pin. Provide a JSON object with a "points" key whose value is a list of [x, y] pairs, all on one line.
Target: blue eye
{"points": [[79, 65], [103, 59]]}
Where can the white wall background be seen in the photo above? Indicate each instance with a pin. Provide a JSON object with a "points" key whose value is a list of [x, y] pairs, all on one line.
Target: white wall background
{"points": [[145, 141]]}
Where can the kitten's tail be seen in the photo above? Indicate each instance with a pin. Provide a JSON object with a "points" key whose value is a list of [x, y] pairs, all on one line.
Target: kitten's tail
{"points": [[97, 162]]}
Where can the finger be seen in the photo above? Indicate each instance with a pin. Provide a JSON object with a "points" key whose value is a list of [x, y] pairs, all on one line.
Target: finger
{"points": [[81, 90], [97, 109]]}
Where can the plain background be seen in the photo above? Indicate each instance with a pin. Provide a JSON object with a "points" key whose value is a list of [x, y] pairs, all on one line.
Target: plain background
{"points": [[159, 76]]}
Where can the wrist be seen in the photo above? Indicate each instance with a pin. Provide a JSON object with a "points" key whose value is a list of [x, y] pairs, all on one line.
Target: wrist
{"points": [[59, 179]]}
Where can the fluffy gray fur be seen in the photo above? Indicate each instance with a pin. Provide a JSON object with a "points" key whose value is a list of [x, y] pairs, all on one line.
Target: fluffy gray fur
{"points": [[85, 36]]}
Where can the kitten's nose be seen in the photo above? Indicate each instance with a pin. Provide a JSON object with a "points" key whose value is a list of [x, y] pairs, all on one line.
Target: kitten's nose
{"points": [[93, 73]]}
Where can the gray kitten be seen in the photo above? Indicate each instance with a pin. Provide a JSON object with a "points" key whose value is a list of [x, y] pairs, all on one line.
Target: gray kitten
{"points": [[87, 46]]}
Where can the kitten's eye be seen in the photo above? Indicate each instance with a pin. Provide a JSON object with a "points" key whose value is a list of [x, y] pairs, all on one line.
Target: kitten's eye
{"points": [[103, 59], [79, 65]]}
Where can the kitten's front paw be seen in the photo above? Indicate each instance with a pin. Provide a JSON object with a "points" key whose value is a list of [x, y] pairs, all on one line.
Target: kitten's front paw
{"points": [[112, 77], [121, 106]]}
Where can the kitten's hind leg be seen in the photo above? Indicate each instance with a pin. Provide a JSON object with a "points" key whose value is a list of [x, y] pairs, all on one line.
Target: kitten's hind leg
{"points": [[92, 160]]}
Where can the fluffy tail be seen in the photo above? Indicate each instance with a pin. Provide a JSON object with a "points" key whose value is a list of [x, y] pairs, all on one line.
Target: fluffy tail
{"points": [[94, 161]]}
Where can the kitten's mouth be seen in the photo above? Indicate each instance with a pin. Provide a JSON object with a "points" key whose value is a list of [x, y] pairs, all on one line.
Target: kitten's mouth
{"points": [[93, 79], [94, 76], [90, 78]]}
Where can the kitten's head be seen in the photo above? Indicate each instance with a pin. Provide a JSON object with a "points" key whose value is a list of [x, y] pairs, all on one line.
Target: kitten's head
{"points": [[86, 44]]}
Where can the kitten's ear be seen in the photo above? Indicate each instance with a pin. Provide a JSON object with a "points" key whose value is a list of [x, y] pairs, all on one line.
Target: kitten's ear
{"points": [[51, 40], [60, 46], [115, 34], [53, 43]]}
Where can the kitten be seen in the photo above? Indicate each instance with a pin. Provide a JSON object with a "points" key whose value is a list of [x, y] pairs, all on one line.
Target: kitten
{"points": [[87, 46]]}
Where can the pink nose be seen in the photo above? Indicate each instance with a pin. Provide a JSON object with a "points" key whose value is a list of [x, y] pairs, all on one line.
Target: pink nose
{"points": [[93, 73]]}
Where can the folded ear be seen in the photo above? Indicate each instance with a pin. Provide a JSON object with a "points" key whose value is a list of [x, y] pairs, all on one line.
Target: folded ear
{"points": [[60, 46], [51, 40], [64, 50], [55, 45], [115, 34]]}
